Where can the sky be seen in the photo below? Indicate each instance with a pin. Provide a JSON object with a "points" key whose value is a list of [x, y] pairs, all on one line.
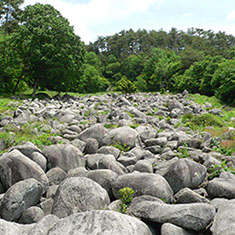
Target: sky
{"points": [[93, 18]]}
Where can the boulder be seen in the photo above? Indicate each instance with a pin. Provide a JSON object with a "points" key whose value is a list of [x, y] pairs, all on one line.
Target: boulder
{"points": [[77, 194], [221, 188], [123, 135], [19, 197], [224, 221], [44, 225], [65, 156], [104, 178], [56, 176], [185, 173], [109, 150], [171, 229], [96, 131], [11, 228], [14, 167], [91, 146], [194, 216], [144, 184], [187, 195], [99, 222], [31, 215]]}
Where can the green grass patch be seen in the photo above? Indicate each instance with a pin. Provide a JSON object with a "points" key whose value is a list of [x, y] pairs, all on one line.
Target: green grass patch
{"points": [[110, 125], [196, 122], [121, 147]]}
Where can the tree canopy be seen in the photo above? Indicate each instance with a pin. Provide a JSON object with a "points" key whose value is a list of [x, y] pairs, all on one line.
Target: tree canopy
{"points": [[48, 47]]}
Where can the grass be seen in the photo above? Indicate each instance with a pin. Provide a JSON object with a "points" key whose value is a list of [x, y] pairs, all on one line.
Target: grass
{"points": [[14, 136], [121, 147], [4, 105]]}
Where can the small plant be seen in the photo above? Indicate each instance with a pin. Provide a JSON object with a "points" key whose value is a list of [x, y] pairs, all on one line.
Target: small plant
{"points": [[216, 169], [183, 153], [131, 114], [126, 197], [134, 126], [110, 125]]}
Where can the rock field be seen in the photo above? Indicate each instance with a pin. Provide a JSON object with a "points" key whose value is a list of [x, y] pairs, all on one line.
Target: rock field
{"points": [[102, 144]]}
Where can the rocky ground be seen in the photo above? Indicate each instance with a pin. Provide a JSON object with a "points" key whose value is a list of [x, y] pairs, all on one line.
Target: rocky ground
{"points": [[102, 144]]}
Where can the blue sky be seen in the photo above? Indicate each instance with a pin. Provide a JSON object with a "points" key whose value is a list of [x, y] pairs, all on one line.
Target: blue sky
{"points": [[93, 18]]}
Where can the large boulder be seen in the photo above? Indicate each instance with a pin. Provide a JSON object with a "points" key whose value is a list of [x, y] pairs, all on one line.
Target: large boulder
{"points": [[19, 197], [104, 178], [125, 135], [99, 222], [221, 187], [224, 221], [44, 225], [96, 131], [11, 228], [171, 229], [185, 173], [194, 216], [65, 156], [144, 184], [15, 166], [77, 194]]}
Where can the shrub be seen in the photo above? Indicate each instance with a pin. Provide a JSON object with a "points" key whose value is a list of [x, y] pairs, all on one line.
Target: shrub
{"points": [[126, 196]]}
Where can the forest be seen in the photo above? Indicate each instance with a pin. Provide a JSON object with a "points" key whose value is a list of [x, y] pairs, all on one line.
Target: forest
{"points": [[39, 50]]}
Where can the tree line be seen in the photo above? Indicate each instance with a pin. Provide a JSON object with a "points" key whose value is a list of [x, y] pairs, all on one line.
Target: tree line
{"points": [[39, 49]]}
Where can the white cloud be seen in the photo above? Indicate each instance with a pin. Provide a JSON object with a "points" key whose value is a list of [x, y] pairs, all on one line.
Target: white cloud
{"points": [[84, 16], [231, 16]]}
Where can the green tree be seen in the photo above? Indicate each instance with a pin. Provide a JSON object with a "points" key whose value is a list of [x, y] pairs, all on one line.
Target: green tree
{"points": [[125, 86], [51, 52], [212, 64], [223, 81], [91, 81], [9, 17]]}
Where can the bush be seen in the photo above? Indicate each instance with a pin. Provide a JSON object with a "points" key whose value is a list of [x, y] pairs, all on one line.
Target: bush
{"points": [[125, 86], [203, 120]]}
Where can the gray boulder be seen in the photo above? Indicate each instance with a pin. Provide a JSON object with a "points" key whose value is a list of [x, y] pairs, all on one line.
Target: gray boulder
{"points": [[100, 222], [194, 216], [144, 184], [185, 173], [78, 194], [102, 161], [14, 167], [56, 175], [171, 229], [65, 156], [187, 195], [109, 150], [91, 146], [44, 225], [222, 188], [122, 135], [11, 228], [19, 197], [143, 166], [224, 221], [31, 215], [104, 178], [96, 131]]}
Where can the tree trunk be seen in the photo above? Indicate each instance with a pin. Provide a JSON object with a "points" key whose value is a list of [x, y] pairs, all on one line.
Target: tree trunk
{"points": [[18, 81], [35, 87]]}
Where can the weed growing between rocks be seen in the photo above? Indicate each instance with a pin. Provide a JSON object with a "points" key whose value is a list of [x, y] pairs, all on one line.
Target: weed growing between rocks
{"points": [[121, 147], [217, 169], [126, 196]]}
